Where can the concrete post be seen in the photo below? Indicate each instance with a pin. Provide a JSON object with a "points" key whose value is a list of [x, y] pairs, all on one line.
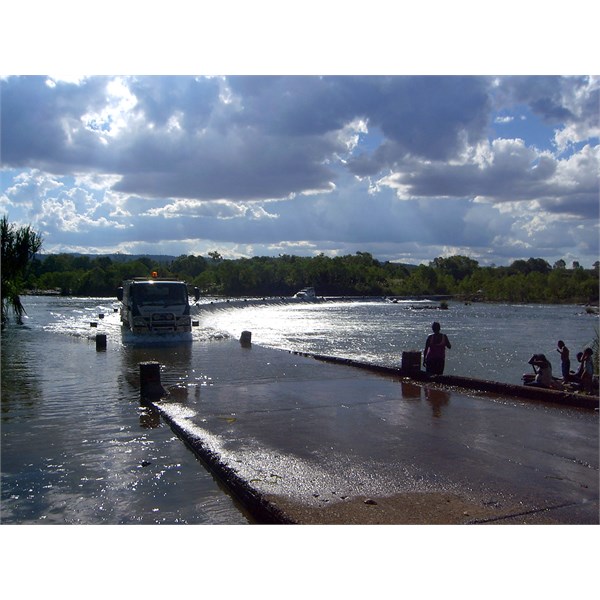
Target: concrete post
{"points": [[100, 341], [246, 338], [411, 363], [150, 386]]}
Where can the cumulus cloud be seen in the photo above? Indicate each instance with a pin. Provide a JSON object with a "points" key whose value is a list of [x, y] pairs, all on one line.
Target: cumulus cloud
{"points": [[570, 104], [334, 164], [508, 171], [263, 137]]}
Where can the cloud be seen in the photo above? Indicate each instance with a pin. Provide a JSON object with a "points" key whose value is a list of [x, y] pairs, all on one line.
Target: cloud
{"points": [[243, 138], [398, 165], [508, 171], [569, 103]]}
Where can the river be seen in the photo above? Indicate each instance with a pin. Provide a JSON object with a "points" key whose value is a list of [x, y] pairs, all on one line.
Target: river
{"points": [[78, 446], [489, 341]]}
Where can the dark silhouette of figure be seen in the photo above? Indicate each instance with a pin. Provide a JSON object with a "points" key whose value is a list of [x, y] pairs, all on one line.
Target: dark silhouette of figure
{"points": [[434, 355], [543, 371], [565, 361]]}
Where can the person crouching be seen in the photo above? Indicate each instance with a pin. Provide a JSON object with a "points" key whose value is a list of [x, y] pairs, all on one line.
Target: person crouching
{"points": [[543, 371]]}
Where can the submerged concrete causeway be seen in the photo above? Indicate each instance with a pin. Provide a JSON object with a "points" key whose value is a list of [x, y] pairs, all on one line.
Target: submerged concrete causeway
{"points": [[298, 439]]}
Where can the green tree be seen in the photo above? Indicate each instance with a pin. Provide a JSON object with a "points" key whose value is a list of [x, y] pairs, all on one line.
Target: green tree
{"points": [[215, 256], [188, 266], [458, 266], [18, 248]]}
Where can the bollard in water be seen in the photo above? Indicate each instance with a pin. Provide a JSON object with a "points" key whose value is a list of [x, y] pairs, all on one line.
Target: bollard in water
{"points": [[100, 341], [411, 363], [246, 338], [93, 324], [101, 316], [150, 386]]}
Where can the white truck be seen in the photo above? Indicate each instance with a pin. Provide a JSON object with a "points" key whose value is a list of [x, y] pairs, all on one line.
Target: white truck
{"points": [[156, 305]]}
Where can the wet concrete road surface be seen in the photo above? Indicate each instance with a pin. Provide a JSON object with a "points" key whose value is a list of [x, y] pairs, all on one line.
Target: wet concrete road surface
{"points": [[303, 441]]}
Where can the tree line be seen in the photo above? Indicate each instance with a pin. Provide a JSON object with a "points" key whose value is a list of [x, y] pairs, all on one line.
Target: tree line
{"points": [[533, 280], [360, 274]]}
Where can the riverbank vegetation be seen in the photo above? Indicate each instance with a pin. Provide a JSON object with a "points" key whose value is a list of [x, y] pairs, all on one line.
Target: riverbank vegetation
{"points": [[528, 281], [18, 246]]}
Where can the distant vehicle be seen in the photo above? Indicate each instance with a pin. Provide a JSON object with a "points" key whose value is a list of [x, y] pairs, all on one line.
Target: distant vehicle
{"points": [[306, 293], [156, 306]]}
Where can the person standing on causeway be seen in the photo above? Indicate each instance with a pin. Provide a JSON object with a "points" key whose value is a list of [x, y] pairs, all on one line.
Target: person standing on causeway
{"points": [[434, 355]]}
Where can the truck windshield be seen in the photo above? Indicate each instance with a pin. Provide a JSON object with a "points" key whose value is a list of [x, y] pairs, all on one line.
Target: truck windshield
{"points": [[160, 293]]}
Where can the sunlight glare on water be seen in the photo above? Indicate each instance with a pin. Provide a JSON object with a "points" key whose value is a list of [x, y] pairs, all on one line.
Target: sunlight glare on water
{"points": [[489, 341], [77, 445]]}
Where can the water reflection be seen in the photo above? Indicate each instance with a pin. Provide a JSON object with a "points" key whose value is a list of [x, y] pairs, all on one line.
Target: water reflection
{"points": [[20, 381], [77, 445], [149, 417], [438, 400], [411, 391]]}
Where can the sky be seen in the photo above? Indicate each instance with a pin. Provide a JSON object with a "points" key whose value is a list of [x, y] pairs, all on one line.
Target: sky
{"points": [[408, 166]]}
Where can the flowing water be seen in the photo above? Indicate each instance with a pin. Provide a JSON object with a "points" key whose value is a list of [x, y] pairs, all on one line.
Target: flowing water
{"points": [[489, 341], [78, 447]]}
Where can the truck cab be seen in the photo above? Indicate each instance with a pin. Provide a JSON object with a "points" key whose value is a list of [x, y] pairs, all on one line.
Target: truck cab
{"points": [[155, 305]]}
